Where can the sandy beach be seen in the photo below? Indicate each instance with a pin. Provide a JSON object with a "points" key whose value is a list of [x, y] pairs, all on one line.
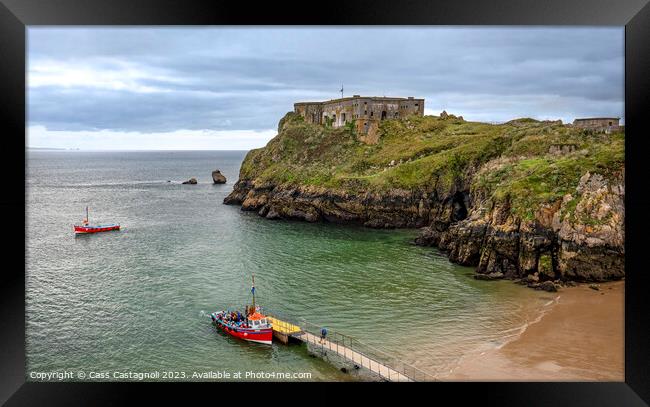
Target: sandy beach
{"points": [[579, 337]]}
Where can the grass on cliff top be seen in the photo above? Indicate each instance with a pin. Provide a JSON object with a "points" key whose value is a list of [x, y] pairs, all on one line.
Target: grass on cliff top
{"points": [[507, 161], [418, 152], [531, 180]]}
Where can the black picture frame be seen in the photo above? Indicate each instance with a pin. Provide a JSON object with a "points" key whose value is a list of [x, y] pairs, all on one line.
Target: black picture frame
{"points": [[16, 15]]}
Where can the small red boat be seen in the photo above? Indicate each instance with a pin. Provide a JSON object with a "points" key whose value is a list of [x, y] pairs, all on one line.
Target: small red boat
{"points": [[86, 227], [251, 326]]}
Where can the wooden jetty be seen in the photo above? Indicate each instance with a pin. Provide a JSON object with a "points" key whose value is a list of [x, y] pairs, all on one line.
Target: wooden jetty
{"points": [[282, 330], [348, 348]]}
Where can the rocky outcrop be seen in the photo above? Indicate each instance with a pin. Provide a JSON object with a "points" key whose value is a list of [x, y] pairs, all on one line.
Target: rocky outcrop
{"points": [[581, 244], [393, 209], [191, 181], [218, 177], [592, 242]]}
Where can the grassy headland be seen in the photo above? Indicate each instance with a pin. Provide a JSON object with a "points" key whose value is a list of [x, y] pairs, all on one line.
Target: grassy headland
{"points": [[429, 153], [521, 198]]}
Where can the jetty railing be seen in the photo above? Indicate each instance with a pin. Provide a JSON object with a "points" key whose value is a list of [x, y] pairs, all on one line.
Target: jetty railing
{"points": [[361, 354]]}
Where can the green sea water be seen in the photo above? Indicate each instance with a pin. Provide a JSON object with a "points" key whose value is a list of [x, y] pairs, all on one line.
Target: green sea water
{"points": [[138, 300]]}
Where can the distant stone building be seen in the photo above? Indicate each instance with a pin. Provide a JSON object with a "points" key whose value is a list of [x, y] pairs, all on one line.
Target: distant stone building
{"points": [[364, 112], [606, 124]]}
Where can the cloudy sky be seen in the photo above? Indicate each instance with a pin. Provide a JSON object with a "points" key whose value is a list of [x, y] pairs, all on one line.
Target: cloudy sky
{"points": [[226, 88]]}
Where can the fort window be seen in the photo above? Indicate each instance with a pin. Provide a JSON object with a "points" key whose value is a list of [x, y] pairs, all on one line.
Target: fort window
{"points": [[343, 117], [372, 114], [383, 115]]}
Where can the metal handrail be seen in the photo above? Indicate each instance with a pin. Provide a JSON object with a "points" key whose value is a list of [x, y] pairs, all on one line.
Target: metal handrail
{"points": [[379, 357]]}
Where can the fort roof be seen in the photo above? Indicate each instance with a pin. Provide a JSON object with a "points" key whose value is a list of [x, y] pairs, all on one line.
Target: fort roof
{"points": [[360, 97], [598, 118]]}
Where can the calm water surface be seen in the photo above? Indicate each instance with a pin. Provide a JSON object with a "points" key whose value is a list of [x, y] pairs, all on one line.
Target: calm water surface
{"points": [[137, 300]]}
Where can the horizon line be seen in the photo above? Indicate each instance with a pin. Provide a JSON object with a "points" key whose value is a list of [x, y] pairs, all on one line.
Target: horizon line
{"points": [[124, 150]]}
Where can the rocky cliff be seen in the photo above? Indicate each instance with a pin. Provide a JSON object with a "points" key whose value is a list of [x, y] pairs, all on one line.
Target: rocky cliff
{"points": [[522, 200]]}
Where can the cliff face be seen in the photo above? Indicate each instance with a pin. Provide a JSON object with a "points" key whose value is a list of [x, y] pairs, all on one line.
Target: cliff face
{"points": [[393, 209], [585, 245], [527, 199]]}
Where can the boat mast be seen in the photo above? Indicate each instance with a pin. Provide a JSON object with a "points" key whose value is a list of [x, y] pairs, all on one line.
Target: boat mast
{"points": [[87, 220], [253, 292]]}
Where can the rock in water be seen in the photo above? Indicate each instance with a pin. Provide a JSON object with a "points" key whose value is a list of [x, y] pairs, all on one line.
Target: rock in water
{"points": [[218, 177], [191, 181], [491, 276], [548, 286]]}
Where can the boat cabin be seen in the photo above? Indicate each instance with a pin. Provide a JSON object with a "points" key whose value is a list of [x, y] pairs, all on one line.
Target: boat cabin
{"points": [[257, 320]]}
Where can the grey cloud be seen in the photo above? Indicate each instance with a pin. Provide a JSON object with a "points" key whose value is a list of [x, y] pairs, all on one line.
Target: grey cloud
{"points": [[245, 78]]}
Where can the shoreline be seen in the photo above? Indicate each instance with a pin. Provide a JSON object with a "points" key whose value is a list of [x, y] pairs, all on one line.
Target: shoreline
{"points": [[579, 338]]}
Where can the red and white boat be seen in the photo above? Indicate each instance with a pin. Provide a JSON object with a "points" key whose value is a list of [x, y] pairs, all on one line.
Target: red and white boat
{"points": [[251, 326], [86, 227]]}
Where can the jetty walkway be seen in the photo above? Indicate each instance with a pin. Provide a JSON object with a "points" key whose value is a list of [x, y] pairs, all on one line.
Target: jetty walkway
{"points": [[346, 347]]}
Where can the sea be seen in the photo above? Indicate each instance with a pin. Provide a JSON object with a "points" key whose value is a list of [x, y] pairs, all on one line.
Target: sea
{"points": [[134, 304]]}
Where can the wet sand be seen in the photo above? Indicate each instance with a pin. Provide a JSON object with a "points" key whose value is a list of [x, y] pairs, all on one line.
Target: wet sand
{"points": [[580, 337]]}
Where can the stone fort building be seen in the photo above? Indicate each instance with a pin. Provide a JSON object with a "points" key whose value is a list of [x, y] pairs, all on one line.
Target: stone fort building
{"points": [[364, 112], [604, 124]]}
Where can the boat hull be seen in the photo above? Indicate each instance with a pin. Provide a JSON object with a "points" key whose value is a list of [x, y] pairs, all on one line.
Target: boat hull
{"points": [[261, 335], [94, 229]]}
